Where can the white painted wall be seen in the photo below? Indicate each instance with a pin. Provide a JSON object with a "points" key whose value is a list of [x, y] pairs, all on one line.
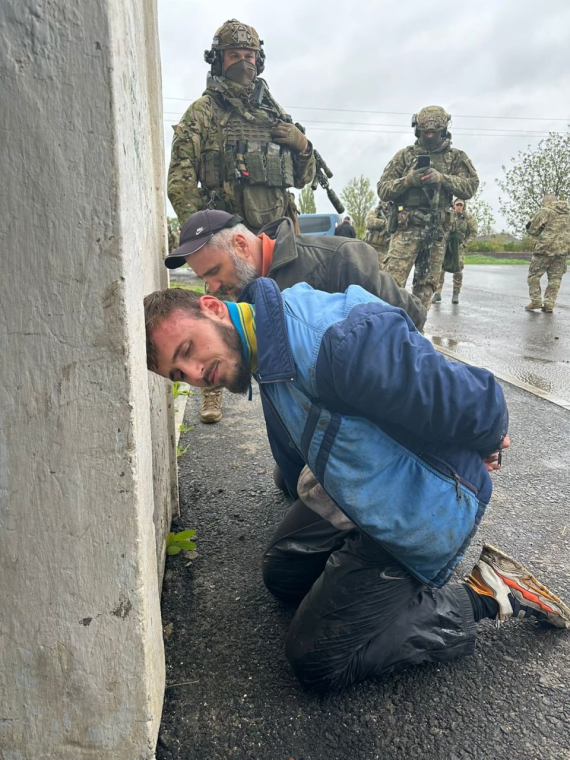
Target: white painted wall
{"points": [[86, 440]]}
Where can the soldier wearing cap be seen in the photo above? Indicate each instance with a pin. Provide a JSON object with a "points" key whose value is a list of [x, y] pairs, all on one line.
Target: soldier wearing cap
{"points": [[421, 180], [464, 226], [235, 148]]}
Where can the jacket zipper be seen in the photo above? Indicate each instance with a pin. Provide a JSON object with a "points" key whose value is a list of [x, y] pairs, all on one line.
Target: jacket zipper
{"points": [[444, 468]]}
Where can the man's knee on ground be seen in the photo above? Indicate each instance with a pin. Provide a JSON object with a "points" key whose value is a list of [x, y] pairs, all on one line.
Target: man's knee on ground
{"points": [[282, 578], [312, 668]]}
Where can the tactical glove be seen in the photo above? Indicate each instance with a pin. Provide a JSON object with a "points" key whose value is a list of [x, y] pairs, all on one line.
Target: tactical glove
{"points": [[414, 177], [288, 134], [435, 177]]}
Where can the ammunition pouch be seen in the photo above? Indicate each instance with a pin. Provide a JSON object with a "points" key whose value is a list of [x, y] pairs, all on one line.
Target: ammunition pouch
{"points": [[393, 219]]}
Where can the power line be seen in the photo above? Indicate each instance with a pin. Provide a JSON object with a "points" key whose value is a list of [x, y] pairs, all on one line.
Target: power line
{"points": [[408, 131], [520, 132], [405, 113]]}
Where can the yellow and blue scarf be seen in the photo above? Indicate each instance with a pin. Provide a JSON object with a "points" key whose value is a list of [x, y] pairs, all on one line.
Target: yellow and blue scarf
{"points": [[243, 319]]}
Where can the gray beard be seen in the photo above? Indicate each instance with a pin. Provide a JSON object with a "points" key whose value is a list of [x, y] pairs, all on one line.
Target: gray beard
{"points": [[245, 271]]}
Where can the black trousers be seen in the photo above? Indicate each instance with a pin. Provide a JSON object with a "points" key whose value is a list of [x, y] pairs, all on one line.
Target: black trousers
{"points": [[360, 614]]}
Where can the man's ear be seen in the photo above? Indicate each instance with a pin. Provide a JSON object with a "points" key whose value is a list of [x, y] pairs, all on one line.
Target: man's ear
{"points": [[212, 307], [241, 244]]}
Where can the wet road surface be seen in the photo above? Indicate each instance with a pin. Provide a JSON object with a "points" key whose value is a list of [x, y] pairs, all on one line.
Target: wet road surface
{"points": [[490, 327]]}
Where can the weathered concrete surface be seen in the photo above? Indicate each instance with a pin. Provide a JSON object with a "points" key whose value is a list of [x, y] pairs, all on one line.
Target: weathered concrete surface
{"points": [[85, 467]]}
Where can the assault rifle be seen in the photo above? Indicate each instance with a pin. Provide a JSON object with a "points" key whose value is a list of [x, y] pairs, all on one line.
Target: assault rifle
{"points": [[422, 262], [322, 173]]}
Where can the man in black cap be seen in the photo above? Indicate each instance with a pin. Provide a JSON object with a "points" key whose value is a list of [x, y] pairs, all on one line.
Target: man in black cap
{"points": [[221, 250]]}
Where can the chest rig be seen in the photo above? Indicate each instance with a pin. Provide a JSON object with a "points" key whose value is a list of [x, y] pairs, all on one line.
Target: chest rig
{"points": [[239, 151], [419, 197]]}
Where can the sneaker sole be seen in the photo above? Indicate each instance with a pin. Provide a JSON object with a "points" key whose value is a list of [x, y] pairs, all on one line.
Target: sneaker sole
{"points": [[525, 587]]}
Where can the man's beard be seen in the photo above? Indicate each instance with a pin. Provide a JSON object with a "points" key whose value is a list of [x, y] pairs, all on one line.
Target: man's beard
{"points": [[241, 379], [245, 272]]}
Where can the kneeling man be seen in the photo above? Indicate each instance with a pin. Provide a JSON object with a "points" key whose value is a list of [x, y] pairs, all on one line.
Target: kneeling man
{"points": [[397, 445]]}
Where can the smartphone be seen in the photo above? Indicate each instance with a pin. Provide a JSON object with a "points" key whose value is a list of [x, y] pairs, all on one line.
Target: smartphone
{"points": [[423, 162]]}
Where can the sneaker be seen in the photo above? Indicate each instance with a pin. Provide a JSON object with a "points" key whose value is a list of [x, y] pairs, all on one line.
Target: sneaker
{"points": [[211, 409], [546, 308], [436, 298], [533, 305], [455, 298], [515, 589]]}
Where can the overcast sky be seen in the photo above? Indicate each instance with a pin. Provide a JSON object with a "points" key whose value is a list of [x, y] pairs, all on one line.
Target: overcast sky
{"points": [[328, 62]]}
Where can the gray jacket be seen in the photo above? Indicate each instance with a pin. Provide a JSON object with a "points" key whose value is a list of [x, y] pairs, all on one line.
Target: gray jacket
{"points": [[332, 264]]}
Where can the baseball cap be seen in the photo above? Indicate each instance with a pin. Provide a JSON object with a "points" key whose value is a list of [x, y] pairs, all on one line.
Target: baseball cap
{"points": [[197, 231]]}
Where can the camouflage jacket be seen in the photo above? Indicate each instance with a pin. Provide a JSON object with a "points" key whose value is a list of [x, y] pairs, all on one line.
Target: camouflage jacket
{"points": [[204, 168], [377, 226], [465, 225], [551, 227], [460, 177]]}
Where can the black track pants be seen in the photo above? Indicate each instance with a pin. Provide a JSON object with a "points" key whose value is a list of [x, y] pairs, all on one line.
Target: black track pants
{"points": [[361, 614]]}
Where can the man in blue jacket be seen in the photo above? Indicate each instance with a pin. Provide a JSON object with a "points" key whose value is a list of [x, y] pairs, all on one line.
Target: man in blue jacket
{"points": [[397, 445]]}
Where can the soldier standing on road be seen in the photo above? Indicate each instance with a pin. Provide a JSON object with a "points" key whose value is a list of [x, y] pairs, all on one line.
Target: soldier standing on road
{"points": [[377, 234], [235, 149], [422, 197], [464, 226], [551, 227]]}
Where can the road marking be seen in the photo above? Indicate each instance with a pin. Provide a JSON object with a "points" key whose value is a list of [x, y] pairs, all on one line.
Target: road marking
{"points": [[511, 379]]}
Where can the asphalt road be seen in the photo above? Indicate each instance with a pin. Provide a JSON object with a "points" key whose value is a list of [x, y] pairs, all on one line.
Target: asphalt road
{"points": [[231, 694], [490, 327]]}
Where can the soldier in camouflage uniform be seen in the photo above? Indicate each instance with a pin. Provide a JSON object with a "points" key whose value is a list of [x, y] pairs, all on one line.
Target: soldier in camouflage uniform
{"points": [[551, 227], [235, 149], [377, 230], [422, 198], [465, 227]]}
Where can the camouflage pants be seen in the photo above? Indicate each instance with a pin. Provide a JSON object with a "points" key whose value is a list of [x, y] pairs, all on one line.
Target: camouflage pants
{"points": [[381, 250], [555, 268], [457, 276], [405, 245]]}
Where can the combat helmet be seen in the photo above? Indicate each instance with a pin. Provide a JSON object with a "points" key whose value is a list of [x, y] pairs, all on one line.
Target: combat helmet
{"points": [[431, 118], [234, 34]]}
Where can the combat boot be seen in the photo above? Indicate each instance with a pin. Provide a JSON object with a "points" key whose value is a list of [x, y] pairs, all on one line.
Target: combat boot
{"points": [[211, 409], [455, 297], [436, 298], [546, 308], [533, 305]]}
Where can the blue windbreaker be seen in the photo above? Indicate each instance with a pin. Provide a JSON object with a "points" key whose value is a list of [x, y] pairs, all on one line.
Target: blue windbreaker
{"points": [[393, 431]]}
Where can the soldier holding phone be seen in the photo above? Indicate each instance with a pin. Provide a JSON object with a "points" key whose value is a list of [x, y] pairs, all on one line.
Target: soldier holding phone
{"points": [[421, 180]]}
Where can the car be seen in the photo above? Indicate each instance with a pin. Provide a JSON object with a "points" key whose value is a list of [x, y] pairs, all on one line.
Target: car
{"points": [[318, 224]]}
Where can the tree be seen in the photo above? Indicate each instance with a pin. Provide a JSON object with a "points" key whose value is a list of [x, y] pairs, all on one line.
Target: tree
{"points": [[307, 201], [358, 198], [482, 212], [532, 175]]}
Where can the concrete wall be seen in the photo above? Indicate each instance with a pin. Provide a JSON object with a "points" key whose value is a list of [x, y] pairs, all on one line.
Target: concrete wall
{"points": [[86, 454]]}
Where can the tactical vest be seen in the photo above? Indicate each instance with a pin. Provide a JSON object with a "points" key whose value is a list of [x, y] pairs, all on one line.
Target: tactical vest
{"points": [[459, 226], [416, 197], [248, 172]]}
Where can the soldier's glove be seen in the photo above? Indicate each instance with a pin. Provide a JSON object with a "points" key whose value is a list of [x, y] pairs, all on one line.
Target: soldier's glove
{"points": [[434, 177], [288, 134], [414, 177]]}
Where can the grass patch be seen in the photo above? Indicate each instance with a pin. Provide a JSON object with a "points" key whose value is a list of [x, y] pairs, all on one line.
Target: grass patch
{"points": [[197, 288], [480, 259]]}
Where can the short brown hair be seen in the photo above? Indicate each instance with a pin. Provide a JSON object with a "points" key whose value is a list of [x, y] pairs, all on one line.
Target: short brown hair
{"points": [[158, 306]]}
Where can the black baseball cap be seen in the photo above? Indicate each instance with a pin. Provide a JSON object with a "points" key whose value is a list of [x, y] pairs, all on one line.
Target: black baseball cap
{"points": [[197, 231]]}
